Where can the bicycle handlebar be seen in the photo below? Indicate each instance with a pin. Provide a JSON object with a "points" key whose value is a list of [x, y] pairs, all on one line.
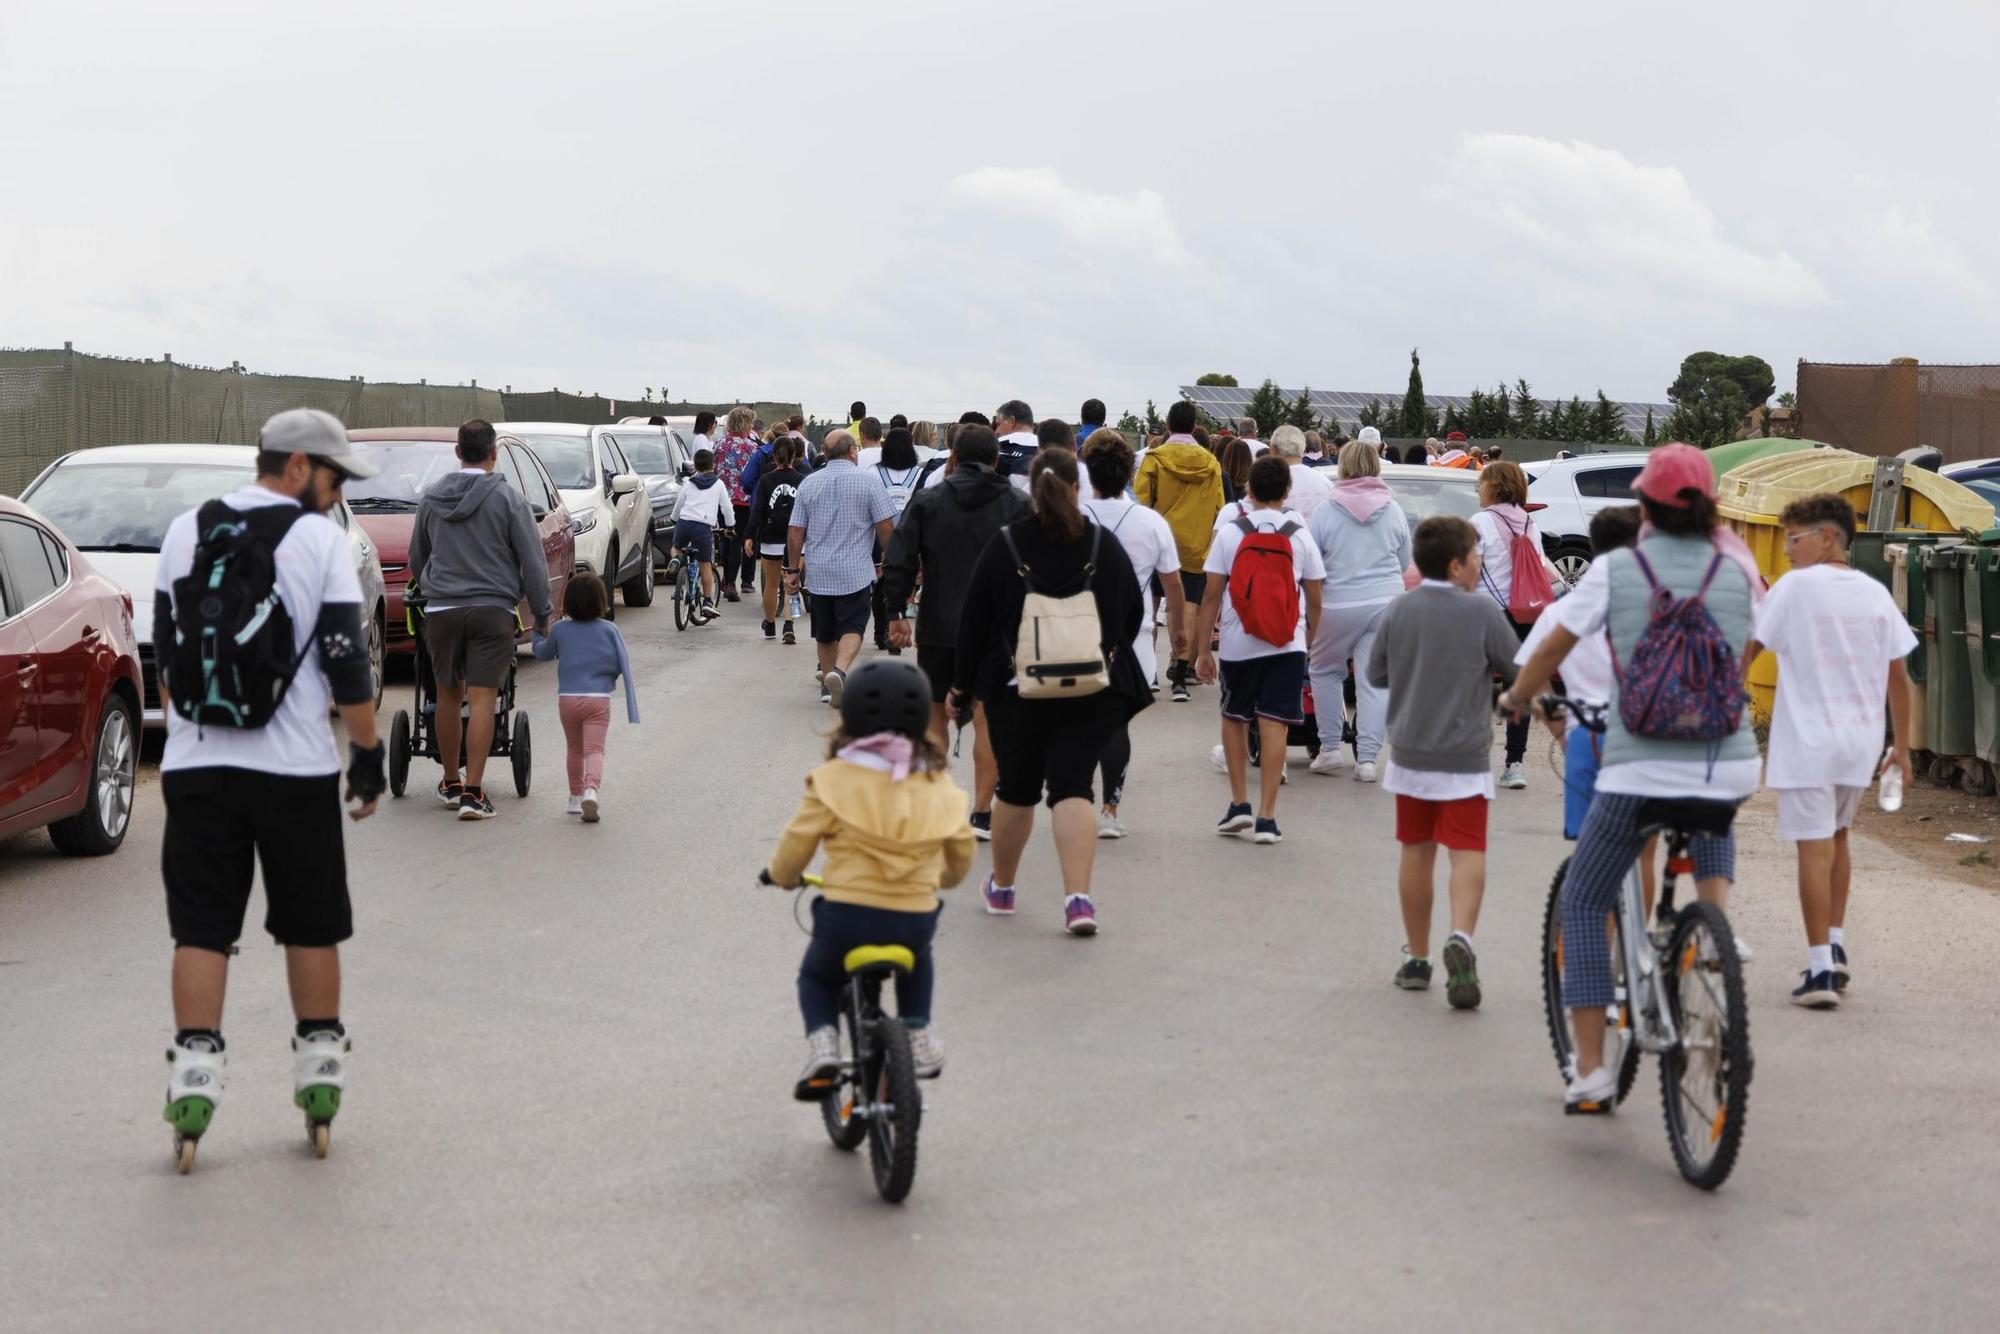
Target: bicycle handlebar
{"points": [[809, 880], [1590, 717]]}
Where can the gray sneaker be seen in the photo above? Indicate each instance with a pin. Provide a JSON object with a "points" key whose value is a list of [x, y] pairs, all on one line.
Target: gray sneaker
{"points": [[832, 684], [1415, 974], [1109, 825], [1461, 973], [928, 1050], [820, 1076]]}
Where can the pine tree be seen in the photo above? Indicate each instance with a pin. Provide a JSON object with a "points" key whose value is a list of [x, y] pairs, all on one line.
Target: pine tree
{"points": [[1502, 421], [1607, 424], [1268, 407], [1415, 420], [1528, 420], [1652, 438], [1454, 422], [1154, 422], [1301, 413]]}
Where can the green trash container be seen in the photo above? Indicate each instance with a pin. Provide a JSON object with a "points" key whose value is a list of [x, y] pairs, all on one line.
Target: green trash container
{"points": [[1904, 552], [1982, 642], [1868, 556], [1949, 666]]}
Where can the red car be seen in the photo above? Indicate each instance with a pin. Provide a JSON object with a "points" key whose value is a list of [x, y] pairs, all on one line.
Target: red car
{"points": [[69, 691], [411, 458]]}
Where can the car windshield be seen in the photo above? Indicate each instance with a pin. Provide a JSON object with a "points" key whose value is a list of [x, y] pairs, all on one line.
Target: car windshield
{"points": [[1422, 497], [127, 506], [408, 468], [646, 453], [567, 457]]}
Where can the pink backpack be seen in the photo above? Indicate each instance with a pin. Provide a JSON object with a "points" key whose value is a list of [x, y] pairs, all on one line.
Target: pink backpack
{"points": [[1531, 591]]}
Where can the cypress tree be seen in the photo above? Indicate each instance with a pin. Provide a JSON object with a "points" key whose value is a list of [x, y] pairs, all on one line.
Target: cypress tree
{"points": [[1415, 419]]}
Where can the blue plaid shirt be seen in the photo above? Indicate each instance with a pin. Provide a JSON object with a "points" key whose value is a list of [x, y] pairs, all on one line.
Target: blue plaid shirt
{"points": [[838, 507]]}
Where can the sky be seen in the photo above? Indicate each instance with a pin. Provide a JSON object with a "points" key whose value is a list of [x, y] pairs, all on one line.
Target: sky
{"points": [[935, 206]]}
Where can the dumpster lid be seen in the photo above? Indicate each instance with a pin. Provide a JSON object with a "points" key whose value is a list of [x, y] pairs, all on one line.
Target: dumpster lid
{"points": [[1760, 490]]}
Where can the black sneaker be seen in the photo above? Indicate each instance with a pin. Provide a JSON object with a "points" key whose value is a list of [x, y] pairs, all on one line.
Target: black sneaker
{"points": [[1415, 974], [1840, 968], [1177, 678], [1461, 973], [1267, 832], [476, 805], [982, 825], [1817, 991], [450, 794], [790, 636], [770, 629], [1237, 819]]}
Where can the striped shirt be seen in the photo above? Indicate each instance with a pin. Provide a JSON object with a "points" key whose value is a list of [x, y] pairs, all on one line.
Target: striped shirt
{"points": [[838, 507]]}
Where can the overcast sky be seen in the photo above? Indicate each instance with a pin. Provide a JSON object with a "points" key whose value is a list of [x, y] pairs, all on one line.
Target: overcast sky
{"points": [[935, 205]]}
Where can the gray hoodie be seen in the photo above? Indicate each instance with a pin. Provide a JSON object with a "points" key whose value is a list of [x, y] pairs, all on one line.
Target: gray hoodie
{"points": [[475, 545]]}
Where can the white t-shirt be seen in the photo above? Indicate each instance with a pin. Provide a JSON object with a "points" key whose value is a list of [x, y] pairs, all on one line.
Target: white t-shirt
{"points": [[1496, 550], [1835, 631], [1435, 785], [1587, 672], [1584, 614], [1311, 488], [1236, 509], [1257, 447], [1239, 644], [1149, 543], [315, 567], [869, 457]]}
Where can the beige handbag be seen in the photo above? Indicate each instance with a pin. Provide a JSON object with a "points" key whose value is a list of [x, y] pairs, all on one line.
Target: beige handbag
{"points": [[1059, 653]]}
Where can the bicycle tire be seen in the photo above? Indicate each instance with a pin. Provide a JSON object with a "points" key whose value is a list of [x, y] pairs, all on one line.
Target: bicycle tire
{"points": [[892, 1140], [683, 609], [836, 1108], [1552, 1006], [1729, 1085]]}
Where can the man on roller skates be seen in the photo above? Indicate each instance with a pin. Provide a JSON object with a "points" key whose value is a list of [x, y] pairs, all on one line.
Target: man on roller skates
{"points": [[257, 623]]}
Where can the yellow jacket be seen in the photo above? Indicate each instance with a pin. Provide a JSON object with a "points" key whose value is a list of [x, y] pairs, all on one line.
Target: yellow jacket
{"points": [[888, 844], [1183, 482]]}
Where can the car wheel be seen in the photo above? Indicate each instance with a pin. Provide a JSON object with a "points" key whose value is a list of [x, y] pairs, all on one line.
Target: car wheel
{"points": [[610, 589], [98, 829], [378, 651], [639, 588], [1572, 562]]}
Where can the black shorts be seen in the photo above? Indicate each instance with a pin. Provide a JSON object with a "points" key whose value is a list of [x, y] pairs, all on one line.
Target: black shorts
{"points": [[939, 662], [1194, 583], [1052, 743], [696, 539], [847, 614], [221, 823], [1272, 687]]}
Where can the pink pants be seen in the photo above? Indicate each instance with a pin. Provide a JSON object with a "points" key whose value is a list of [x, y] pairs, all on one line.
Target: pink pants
{"points": [[585, 719]]}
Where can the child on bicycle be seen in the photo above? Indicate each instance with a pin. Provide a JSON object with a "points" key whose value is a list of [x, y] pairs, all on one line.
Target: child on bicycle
{"points": [[701, 507], [1437, 651], [590, 659], [1841, 644], [894, 829]]}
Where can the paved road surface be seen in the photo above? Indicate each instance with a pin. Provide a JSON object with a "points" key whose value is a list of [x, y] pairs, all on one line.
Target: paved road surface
{"points": [[574, 1048]]}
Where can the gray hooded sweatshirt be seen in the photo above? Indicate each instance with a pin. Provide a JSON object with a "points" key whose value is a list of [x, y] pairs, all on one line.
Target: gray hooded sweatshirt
{"points": [[476, 545]]}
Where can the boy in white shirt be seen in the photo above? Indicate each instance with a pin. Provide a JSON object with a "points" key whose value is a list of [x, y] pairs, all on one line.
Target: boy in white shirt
{"points": [[1840, 643], [699, 510], [1263, 679]]}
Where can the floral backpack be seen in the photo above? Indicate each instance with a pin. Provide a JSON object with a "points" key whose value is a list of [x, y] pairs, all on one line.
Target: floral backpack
{"points": [[1681, 682]]}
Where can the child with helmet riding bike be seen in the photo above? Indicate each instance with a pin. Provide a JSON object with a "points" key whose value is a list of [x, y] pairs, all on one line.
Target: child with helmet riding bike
{"points": [[893, 827]]}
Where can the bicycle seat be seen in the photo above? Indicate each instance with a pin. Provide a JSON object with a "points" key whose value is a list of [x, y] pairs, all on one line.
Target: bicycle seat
{"points": [[891, 958], [1690, 815]]}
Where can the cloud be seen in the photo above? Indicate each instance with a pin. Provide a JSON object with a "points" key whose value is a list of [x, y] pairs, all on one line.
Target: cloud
{"points": [[1136, 224], [1601, 216]]}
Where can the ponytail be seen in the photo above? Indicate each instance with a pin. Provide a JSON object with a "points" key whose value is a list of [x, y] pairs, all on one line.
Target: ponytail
{"points": [[1052, 484]]}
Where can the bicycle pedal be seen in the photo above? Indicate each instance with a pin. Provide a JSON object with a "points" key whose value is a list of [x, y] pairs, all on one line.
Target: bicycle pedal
{"points": [[814, 1090], [1588, 1108]]}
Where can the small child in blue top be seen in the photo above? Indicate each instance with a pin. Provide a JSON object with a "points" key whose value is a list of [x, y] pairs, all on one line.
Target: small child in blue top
{"points": [[591, 658]]}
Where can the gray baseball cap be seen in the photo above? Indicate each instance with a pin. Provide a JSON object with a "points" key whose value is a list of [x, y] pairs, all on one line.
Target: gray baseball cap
{"points": [[319, 434]]}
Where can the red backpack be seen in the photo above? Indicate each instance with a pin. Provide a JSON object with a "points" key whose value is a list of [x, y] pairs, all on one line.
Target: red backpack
{"points": [[1263, 585], [1531, 591]]}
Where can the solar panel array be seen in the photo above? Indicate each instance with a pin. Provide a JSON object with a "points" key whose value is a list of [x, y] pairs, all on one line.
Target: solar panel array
{"points": [[1226, 403]]}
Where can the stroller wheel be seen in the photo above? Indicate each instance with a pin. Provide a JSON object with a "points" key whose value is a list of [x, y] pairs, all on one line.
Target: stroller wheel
{"points": [[399, 753], [519, 754]]}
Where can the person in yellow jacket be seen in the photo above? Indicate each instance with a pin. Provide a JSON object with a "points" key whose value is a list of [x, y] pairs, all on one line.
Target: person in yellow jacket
{"points": [[1183, 482], [894, 829]]}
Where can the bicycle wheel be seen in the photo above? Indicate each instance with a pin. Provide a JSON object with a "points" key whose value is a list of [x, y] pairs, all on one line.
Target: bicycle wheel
{"points": [[836, 1110], [1618, 1044], [892, 1133], [683, 605], [1705, 1083]]}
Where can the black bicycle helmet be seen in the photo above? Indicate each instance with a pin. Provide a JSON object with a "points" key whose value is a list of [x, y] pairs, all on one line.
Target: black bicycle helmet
{"points": [[886, 695]]}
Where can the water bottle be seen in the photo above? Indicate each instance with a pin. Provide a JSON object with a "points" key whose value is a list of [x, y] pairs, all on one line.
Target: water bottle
{"points": [[1889, 796], [797, 609]]}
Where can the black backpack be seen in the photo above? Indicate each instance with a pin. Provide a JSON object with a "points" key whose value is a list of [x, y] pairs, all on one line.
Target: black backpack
{"points": [[232, 658]]}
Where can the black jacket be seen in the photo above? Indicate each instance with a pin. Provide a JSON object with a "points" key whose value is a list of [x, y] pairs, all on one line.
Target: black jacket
{"points": [[943, 530], [992, 613], [768, 522]]}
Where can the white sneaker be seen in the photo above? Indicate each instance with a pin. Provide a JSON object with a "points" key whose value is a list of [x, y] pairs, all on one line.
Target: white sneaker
{"points": [[1109, 825], [1327, 762], [1364, 772], [575, 806], [822, 1057], [928, 1050], [1745, 953], [1596, 1092], [1219, 758], [589, 806], [1513, 777]]}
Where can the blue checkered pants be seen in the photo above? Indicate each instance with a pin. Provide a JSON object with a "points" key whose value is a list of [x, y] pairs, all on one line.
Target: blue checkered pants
{"points": [[1605, 852]]}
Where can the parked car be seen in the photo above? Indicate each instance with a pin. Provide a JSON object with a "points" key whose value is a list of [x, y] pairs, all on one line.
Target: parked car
{"points": [[1563, 495], [1967, 471], [411, 458], [663, 457], [1423, 491], [610, 514], [69, 690], [115, 502]]}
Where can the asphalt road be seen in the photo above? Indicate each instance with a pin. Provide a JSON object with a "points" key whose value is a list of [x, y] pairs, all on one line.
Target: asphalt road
{"points": [[569, 1104]]}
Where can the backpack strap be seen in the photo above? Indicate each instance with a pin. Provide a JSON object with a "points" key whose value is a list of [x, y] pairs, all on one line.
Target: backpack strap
{"points": [[1701, 594], [1020, 566], [1646, 569], [1243, 525]]}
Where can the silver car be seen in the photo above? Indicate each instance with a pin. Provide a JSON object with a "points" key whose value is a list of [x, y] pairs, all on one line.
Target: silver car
{"points": [[664, 458], [116, 501]]}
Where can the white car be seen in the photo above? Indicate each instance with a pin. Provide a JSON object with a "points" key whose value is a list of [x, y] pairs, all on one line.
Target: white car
{"points": [[609, 511], [664, 457], [116, 501], [1563, 494], [1424, 491]]}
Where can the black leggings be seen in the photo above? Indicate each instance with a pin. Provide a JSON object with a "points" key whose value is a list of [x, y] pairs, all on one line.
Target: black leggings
{"points": [[1115, 760], [1517, 731], [729, 557]]}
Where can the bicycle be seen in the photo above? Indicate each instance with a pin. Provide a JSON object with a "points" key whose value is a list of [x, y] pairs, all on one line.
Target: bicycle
{"points": [[874, 1096], [1678, 989], [687, 591]]}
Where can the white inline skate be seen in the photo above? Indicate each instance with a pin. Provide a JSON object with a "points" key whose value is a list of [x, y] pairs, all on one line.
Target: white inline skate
{"points": [[319, 1073], [193, 1090]]}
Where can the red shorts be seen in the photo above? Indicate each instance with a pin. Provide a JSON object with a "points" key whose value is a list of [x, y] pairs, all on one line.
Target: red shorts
{"points": [[1460, 825]]}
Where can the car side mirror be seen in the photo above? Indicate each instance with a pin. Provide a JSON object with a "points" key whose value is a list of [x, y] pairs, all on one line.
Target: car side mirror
{"points": [[687, 470], [625, 483], [538, 512]]}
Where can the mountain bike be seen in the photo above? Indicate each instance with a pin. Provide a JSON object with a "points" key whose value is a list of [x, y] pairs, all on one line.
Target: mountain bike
{"points": [[874, 1096], [1678, 986]]}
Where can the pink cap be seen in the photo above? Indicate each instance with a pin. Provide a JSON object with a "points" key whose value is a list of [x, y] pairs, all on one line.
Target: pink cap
{"points": [[1672, 469]]}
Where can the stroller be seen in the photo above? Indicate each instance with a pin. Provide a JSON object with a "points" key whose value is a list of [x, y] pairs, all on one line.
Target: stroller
{"points": [[415, 733], [1306, 733]]}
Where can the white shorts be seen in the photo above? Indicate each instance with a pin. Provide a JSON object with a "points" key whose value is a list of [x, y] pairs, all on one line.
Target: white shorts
{"points": [[1816, 812], [771, 550]]}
